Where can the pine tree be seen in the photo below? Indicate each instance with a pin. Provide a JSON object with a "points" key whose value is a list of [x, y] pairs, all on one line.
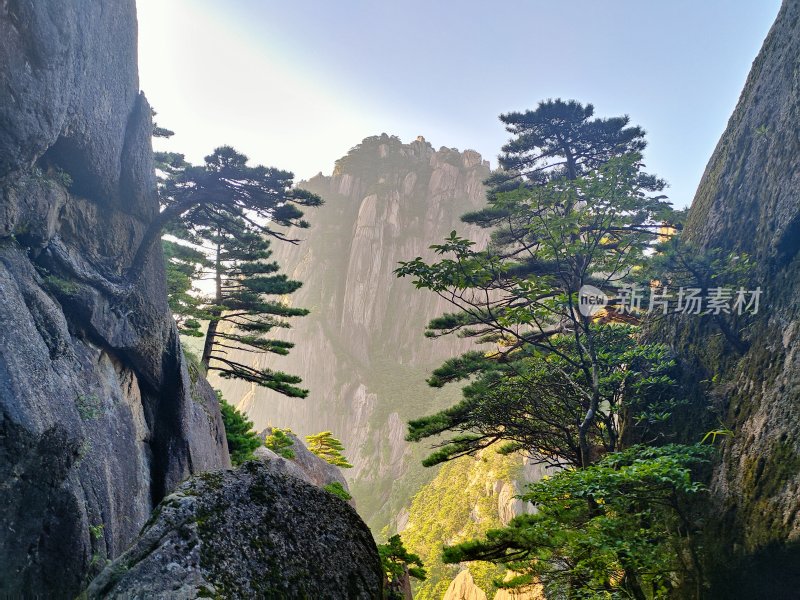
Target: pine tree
{"points": [[222, 216], [184, 266], [247, 291], [573, 208], [521, 295], [398, 565], [328, 448], [624, 527], [224, 188], [281, 442], [241, 438]]}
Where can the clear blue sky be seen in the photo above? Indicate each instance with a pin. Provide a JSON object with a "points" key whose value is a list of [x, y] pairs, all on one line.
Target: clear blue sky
{"points": [[296, 84]]}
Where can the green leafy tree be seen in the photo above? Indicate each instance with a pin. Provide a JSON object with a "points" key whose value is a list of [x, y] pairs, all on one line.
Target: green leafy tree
{"points": [[242, 440], [521, 294], [328, 448], [533, 402], [398, 565], [573, 208], [621, 528]]}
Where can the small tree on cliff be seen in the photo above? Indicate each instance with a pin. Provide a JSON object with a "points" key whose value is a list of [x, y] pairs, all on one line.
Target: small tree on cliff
{"points": [[398, 566], [328, 448], [241, 438]]}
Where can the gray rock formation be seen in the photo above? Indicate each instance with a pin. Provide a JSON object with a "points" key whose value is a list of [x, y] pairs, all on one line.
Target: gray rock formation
{"points": [[361, 351], [306, 465], [248, 533], [99, 418], [749, 201]]}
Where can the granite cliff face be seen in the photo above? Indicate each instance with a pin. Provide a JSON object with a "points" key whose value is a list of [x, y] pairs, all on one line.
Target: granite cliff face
{"points": [[361, 352], [748, 201], [98, 416]]}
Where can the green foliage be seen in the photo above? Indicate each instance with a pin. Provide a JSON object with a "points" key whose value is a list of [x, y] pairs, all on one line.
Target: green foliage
{"points": [[281, 443], [723, 432], [460, 503], [328, 448], [61, 286], [337, 489], [52, 175], [396, 562], [159, 132], [572, 208], [520, 294], [242, 440], [619, 528], [96, 531], [541, 152], [184, 266], [89, 406], [193, 363], [532, 401]]}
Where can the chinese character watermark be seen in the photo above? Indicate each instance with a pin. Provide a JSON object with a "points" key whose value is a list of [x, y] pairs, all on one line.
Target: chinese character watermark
{"points": [[686, 300]]}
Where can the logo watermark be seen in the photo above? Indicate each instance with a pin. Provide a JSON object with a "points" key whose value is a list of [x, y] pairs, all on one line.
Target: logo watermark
{"points": [[591, 300]]}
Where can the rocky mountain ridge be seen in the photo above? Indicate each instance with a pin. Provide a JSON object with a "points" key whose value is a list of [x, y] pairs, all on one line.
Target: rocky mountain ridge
{"points": [[361, 351]]}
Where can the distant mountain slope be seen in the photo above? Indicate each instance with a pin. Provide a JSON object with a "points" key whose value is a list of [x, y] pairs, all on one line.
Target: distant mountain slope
{"points": [[362, 352], [468, 497]]}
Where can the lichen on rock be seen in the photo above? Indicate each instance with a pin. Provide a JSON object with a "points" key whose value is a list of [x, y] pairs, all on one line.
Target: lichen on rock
{"points": [[248, 533]]}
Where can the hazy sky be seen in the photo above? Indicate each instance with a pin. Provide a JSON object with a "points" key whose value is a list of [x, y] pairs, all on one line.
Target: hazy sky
{"points": [[295, 84]]}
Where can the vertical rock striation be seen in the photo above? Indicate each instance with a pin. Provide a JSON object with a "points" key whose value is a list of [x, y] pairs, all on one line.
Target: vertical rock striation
{"points": [[99, 418]]}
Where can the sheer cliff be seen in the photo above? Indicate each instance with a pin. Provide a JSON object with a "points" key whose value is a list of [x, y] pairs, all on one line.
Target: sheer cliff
{"points": [[361, 351], [748, 202], [98, 416]]}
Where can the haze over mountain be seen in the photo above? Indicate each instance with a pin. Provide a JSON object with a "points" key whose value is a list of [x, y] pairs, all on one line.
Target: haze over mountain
{"points": [[361, 351]]}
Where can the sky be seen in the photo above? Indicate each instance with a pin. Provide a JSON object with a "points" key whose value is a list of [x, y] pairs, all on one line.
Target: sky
{"points": [[296, 84]]}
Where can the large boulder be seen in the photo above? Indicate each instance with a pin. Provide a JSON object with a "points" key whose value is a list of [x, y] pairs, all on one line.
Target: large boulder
{"points": [[248, 533]]}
